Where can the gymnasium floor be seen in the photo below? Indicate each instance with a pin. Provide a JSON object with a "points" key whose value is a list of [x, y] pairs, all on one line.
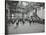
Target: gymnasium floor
{"points": [[26, 28]]}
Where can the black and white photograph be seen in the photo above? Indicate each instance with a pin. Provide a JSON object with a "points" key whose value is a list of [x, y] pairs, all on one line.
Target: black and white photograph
{"points": [[23, 17]]}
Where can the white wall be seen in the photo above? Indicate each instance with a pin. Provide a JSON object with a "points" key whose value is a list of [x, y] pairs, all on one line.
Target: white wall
{"points": [[41, 12]]}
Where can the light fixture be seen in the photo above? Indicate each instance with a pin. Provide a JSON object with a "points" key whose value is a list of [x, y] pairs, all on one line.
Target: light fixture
{"points": [[24, 3]]}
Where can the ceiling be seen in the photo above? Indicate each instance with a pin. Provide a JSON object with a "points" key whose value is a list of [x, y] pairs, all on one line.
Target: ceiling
{"points": [[23, 6]]}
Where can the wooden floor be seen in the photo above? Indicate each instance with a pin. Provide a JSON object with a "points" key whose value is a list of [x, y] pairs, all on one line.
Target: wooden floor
{"points": [[26, 28]]}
